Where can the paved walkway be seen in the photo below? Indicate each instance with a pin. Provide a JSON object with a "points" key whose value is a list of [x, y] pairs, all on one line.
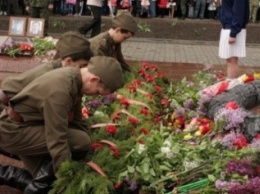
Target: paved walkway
{"points": [[180, 51], [197, 52]]}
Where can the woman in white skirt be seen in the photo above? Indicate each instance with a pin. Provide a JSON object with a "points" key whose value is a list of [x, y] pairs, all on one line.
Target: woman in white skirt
{"points": [[234, 16]]}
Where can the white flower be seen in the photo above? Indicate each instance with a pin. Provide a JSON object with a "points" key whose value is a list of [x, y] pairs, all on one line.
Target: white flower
{"points": [[167, 151], [141, 148], [167, 143], [190, 165]]}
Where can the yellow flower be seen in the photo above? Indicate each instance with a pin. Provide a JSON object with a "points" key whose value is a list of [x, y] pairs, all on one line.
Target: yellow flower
{"points": [[198, 133], [188, 136], [172, 116], [257, 75]]}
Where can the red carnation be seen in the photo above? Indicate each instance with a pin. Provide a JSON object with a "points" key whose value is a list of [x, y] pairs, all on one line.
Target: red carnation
{"points": [[146, 65], [149, 78], [157, 118], [231, 105], [111, 129], [164, 102], [142, 72], [154, 67], [158, 89], [124, 102], [85, 112], [133, 120], [95, 146], [115, 151], [116, 118], [204, 129], [144, 131], [137, 82], [132, 88], [148, 95], [240, 142], [144, 111]]}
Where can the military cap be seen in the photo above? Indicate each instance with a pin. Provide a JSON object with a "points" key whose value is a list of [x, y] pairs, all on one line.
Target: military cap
{"points": [[71, 43], [108, 70], [125, 21]]}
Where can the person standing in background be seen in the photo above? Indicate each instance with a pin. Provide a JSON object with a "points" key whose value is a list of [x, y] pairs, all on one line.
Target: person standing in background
{"points": [[254, 4], [39, 9], [212, 7], [95, 24], [234, 16], [183, 9], [162, 5], [78, 8], [112, 7], [3, 7], [70, 4], [200, 8], [153, 8]]}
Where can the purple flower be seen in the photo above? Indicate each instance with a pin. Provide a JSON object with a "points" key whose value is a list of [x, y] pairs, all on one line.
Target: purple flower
{"points": [[189, 104], [238, 189], [232, 117], [109, 99], [242, 167], [179, 112], [253, 185], [228, 139], [132, 183], [221, 185], [93, 103]]}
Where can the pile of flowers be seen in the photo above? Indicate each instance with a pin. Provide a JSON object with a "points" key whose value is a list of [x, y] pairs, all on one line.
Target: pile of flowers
{"points": [[154, 136], [37, 46]]}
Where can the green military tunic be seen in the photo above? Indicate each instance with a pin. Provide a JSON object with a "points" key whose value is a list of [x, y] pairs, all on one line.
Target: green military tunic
{"points": [[14, 84], [103, 45], [45, 105]]}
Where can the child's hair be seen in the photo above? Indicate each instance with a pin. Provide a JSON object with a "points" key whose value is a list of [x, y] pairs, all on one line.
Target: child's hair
{"points": [[81, 55], [123, 31]]}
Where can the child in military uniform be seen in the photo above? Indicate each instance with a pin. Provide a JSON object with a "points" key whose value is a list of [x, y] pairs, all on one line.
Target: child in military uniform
{"points": [[108, 43], [36, 125], [71, 55]]}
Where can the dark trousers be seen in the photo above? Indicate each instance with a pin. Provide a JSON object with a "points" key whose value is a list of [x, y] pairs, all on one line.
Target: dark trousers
{"points": [[3, 5], [95, 23]]}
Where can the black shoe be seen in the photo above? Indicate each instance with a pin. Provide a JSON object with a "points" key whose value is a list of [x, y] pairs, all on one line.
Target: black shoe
{"points": [[42, 183], [14, 177]]}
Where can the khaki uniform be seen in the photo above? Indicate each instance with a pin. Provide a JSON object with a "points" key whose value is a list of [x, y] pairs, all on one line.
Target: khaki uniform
{"points": [[103, 45], [46, 109], [14, 84], [254, 4], [39, 9]]}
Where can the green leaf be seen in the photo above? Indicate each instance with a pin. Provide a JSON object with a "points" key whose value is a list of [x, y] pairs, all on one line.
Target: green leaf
{"points": [[152, 172], [145, 168], [211, 177], [130, 169]]}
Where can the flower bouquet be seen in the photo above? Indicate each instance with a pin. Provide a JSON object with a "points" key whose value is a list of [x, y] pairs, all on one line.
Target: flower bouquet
{"points": [[37, 46], [155, 136]]}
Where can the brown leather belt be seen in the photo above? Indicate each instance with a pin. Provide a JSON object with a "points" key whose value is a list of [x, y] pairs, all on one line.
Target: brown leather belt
{"points": [[13, 115], [3, 98]]}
